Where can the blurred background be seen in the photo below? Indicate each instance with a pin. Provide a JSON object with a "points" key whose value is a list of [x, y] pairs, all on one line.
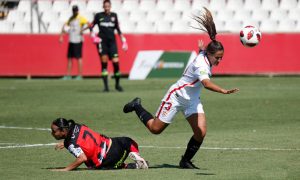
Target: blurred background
{"points": [[29, 33]]}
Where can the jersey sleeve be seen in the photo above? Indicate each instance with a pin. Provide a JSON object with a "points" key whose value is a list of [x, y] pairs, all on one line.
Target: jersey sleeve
{"points": [[117, 25], [95, 21], [75, 150], [203, 73], [83, 21]]}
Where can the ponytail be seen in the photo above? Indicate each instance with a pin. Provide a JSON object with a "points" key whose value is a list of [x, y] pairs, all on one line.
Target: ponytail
{"points": [[206, 24]]}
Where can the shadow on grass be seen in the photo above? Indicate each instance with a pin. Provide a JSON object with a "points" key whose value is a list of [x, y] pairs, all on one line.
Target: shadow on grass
{"points": [[206, 174], [164, 166], [78, 169]]}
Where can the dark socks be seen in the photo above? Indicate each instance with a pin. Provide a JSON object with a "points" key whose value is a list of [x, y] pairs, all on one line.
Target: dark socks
{"points": [[117, 73], [192, 148], [104, 74], [143, 114]]}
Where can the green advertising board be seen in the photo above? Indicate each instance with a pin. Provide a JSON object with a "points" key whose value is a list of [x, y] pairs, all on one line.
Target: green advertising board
{"points": [[160, 64]]}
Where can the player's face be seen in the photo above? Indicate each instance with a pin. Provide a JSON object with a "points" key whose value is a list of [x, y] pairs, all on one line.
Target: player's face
{"points": [[56, 132], [75, 13], [215, 58], [107, 7]]}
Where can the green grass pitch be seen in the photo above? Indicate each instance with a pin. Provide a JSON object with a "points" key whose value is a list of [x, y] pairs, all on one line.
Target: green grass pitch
{"points": [[254, 134]]}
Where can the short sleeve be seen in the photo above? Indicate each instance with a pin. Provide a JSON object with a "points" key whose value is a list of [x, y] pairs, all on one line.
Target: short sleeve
{"points": [[83, 20], [76, 151], [203, 73]]}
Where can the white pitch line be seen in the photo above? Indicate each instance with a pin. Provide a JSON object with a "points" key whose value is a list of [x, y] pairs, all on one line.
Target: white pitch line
{"points": [[155, 147], [25, 128], [162, 147], [225, 148], [26, 145]]}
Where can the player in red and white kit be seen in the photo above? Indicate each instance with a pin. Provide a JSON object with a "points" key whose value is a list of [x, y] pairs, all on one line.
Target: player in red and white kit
{"points": [[97, 151], [184, 94]]}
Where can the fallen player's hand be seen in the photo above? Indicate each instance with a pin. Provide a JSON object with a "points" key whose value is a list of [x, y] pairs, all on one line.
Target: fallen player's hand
{"points": [[59, 145]]}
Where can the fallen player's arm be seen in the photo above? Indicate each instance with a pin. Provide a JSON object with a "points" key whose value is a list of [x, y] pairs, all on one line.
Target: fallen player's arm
{"points": [[79, 160]]}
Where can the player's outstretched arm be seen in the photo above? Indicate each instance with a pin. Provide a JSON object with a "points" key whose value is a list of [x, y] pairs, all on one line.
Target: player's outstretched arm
{"points": [[79, 160], [213, 87]]}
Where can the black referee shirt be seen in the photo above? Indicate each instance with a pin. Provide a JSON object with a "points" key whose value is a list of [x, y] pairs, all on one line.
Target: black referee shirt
{"points": [[107, 24]]}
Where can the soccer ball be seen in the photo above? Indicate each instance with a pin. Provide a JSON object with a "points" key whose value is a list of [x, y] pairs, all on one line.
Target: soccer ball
{"points": [[250, 36]]}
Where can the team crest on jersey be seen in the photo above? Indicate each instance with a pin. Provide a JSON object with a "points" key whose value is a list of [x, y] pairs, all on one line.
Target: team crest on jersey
{"points": [[76, 130], [165, 113], [112, 19]]}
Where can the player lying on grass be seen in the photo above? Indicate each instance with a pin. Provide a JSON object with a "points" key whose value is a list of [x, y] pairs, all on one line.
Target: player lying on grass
{"points": [[184, 94], [96, 150]]}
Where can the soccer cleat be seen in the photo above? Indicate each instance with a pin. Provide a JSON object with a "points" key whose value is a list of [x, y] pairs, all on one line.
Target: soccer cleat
{"points": [[186, 164], [139, 161], [131, 166], [66, 78], [129, 107], [119, 88], [78, 78]]}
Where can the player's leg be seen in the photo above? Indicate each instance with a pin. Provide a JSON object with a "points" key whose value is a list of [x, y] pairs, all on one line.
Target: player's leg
{"points": [[69, 64], [157, 124], [103, 53], [197, 122], [69, 69], [115, 60], [79, 60], [134, 154]]}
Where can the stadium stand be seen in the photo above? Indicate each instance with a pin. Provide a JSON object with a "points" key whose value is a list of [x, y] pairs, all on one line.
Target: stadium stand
{"points": [[228, 14]]}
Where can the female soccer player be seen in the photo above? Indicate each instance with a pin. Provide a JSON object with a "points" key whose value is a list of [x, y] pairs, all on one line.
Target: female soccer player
{"points": [[107, 22], [184, 94], [97, 151]]}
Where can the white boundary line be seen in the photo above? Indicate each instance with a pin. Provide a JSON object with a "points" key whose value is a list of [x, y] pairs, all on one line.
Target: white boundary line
{"points": [[14, 145], [25, 128], [160, 147], [26, 145]]}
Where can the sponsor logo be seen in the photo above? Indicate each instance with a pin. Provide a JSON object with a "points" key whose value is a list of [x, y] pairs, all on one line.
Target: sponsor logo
{"points": [[107, 24], [161, 64]]}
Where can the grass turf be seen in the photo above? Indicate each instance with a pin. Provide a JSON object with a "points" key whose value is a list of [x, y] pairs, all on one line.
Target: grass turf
{"points": [[264, 114]]}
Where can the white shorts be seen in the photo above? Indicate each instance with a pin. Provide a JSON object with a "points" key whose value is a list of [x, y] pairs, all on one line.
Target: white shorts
{"points": [[172, 103]]}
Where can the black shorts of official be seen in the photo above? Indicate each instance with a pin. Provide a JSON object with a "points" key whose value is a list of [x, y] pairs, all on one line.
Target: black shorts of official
{"points": [[75, 50], [108, 47], [117, 153]]}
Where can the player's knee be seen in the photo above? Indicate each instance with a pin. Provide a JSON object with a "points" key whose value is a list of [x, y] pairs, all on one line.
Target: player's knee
{"points": [[155, 130], [200, 135]]}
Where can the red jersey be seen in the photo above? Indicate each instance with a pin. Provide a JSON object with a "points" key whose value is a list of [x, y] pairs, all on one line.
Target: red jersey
{"points": [[82, 139]]}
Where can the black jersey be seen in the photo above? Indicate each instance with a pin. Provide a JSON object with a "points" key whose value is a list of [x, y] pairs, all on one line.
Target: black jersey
{"points": [[107, 24]]}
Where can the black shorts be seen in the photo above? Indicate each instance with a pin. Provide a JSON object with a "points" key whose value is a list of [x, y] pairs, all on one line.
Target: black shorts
{"points": [[108, 47], [117, 153], [75, 50]]}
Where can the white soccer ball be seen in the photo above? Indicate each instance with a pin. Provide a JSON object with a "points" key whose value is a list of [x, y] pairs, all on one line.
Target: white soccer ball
{"points": [[250, 36]]}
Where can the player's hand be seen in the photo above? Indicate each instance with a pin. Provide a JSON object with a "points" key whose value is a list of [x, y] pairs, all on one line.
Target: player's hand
{"points": [[59, 145], [201, 45], [61, 39], [96, 39], [125, 46], [230, 91]]}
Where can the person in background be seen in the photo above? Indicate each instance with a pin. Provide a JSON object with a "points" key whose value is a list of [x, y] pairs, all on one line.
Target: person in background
{"points": [[107, 22], [75, 25]]}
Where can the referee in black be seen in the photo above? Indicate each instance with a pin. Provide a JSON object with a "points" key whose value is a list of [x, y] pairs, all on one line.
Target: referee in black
{"points": [[107, 22]]}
